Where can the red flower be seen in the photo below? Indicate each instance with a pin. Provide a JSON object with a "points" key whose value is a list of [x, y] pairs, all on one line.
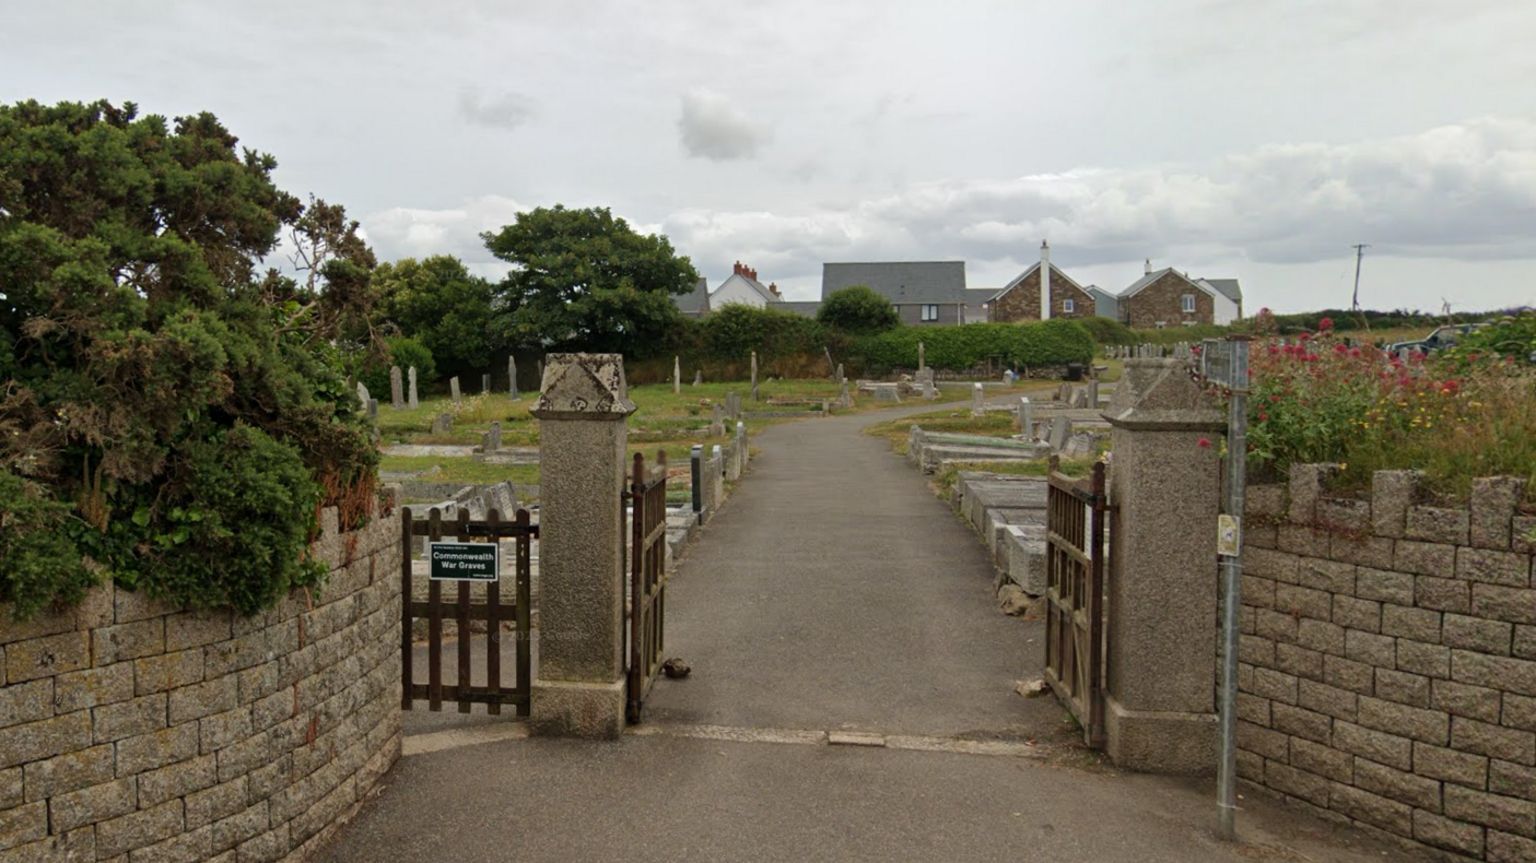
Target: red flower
{"points": [[1325, 325], [1203, 443]]}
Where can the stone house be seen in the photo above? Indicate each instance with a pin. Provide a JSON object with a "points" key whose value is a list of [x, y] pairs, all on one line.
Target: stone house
{"points": [[1043, 285], [923, 292], [1167, 298]]}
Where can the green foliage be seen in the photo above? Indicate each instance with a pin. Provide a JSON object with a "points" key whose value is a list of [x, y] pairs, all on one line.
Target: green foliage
{"points": [[440, 304], [737, 330], [150, 377], [42, 565], [1513, 337], [967, 346], [1174, 335], [402, 351], [584, 280], [858, 310], [1108, 332]]}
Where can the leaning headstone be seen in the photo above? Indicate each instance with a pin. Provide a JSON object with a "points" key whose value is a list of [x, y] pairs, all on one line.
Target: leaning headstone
{"points": [[677, 375], [1064, 393], [443, 424], [396, 389], [414, 402], [1061, 429], [831, 365], [698, 376], [512, 376], [1078, 445], [453, 388], [754, 376], [362, 394], [1080, 397], [977, 408], [1026, 418]]}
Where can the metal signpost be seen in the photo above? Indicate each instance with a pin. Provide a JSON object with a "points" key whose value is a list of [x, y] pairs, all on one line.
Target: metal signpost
{"points": [[1225, 364], [464, 561]]}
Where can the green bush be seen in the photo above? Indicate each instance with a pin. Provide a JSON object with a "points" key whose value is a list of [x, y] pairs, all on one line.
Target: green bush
{"points": [[1108, 332], [736, 330], [858, 310], [1513, 337], [404, 352], [170, 418], [967, 346]]}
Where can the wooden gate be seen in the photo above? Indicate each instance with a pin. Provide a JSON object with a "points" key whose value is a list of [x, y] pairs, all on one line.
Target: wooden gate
{"points": [[647, 497], [1074, 621], [434, 609]]}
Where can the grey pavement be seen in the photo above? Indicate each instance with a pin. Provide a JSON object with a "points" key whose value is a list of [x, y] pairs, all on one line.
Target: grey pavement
{"points": [[833, 591]]}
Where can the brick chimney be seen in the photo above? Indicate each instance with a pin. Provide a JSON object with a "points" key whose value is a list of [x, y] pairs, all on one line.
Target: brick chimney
{"points": [[737, 268], [773, 288], [1045, 280]]}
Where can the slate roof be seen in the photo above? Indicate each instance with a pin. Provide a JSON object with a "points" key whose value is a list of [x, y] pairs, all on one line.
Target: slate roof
{"points": [[1055, 274], [696, 301], [804, 308], [1228, 288], [901, 282], [1149, 278]]}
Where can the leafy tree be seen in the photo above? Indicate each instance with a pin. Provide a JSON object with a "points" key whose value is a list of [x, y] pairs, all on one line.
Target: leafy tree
{"points": [[167, 418], [584, 279], [858, 310], [438, 302]]}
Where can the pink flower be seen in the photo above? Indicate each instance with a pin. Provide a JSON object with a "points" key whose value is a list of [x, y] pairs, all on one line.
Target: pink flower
{"points": [[1325, 325], [1203, 443]]}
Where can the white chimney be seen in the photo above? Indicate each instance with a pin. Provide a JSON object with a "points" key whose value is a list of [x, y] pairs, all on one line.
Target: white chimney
{"points": [[1148, 270], [1045, 280]]}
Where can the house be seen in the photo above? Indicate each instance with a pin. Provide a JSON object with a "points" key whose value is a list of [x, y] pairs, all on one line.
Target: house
{"points": [[923, 292], [695, 303], [1105, 304], [977, 304], [743, 287], [803, 308], [1042, 286], [1167, 297]]}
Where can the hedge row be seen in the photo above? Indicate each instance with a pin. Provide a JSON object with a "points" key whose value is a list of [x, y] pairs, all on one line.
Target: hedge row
{"points": [[967, 346]]}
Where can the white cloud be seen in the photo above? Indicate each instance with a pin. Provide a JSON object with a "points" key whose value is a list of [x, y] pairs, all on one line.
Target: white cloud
{"points": [[503, 110], [406, 232], [712, 128]]}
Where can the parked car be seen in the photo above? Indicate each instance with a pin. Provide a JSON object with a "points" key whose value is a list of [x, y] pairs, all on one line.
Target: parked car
{"points": [[1442, 338]]}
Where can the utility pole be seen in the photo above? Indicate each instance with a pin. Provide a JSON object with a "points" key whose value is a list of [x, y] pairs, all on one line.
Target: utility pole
{"points": [[1359, 254]]}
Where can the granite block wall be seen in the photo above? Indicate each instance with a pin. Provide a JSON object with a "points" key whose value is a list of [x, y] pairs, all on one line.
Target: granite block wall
{"points": [[134, 731], [1387, 666]]}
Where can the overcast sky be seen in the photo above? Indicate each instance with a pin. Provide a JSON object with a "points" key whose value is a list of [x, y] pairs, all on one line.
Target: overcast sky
{"points": [[1229, 138]]}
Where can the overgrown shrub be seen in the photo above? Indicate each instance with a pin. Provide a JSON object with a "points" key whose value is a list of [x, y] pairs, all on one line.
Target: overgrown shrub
{"points": [[1513, 337], [736, 330], [1108, 332], [966, 346], [1453, 418], [402, 351], [169, 418], [858, 310]]}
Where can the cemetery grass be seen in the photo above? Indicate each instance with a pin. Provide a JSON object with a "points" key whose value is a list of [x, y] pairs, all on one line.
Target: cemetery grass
{"points": [[467, 471]]}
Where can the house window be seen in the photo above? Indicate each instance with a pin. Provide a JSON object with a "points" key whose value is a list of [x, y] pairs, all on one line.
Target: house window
{"points": [[1189, 304], [1068, 305], [930, 313]]}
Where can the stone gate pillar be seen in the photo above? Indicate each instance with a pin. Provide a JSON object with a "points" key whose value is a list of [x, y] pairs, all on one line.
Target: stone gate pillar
{"points": [[579, 688], [1162, 609]]}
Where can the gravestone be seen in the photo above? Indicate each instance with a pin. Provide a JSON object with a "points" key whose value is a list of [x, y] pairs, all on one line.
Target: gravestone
{"points": [[396, 389], [1026, 418], [414, 402], [485, 384], [1078, 445], [1061, 429], [1008, 377], [977, 408], [754, 376], [844, 400], [677, 375], [362, 395], [830, 365], [373, 413], [453, 388], [1064, 393], [922, 357], [1080, 397], [841, 378], [1093, 393], [512, 376], [732, 406], [493, 437], [698, 376], [443, 424], [887, 393], [716, 421]]}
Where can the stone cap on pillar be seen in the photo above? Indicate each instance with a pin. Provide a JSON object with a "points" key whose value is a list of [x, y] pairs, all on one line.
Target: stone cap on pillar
{"points": [[1161, 394], [584, 387]]}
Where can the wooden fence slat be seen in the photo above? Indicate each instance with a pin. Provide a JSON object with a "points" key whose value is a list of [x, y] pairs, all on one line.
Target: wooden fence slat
{"points": [[406, 657], [435, 622], [462, 617], [524, 613], [493, 623]]}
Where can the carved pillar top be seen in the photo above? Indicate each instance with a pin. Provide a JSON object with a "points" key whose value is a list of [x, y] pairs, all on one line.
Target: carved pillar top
{"points": [[1160, 394], [583, 386]]}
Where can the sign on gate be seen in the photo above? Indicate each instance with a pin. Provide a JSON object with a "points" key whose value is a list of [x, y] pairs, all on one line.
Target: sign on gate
{"points": [[464, 561]]}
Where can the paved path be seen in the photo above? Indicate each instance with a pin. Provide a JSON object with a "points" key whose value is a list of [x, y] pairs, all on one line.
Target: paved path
{"points": [[832, 592]]}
